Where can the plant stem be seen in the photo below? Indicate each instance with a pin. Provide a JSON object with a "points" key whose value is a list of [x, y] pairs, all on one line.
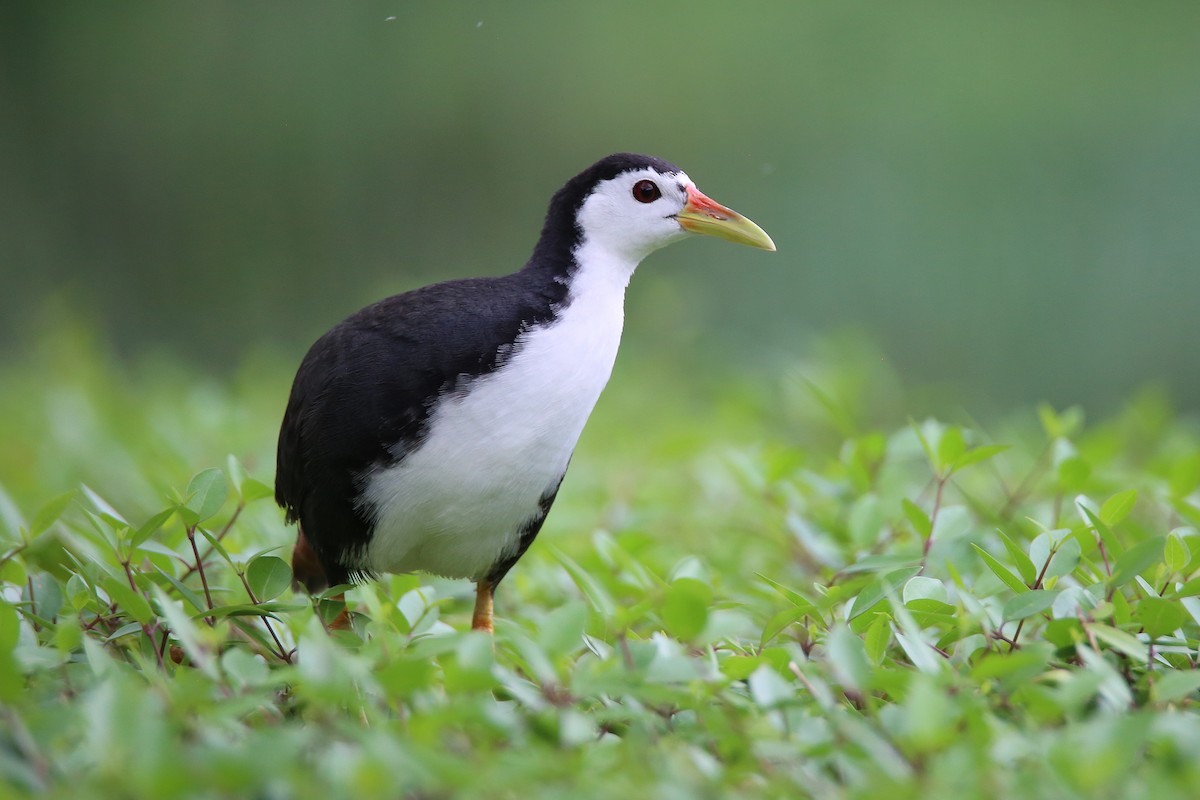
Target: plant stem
{"points": [[281, 652], [625, 652], [1037, 584], [146, 629], [933, 515], [191, 534], [187, 573]]}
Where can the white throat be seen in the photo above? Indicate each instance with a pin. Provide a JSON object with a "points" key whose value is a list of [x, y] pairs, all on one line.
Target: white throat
{"points": [[601, 269]]}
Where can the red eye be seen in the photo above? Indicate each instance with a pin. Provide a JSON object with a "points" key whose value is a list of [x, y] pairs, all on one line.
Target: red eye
{"points": [[646, 191]]}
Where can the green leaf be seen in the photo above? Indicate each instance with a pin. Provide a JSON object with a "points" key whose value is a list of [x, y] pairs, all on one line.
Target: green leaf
{"points": [[48, 514], [1120, 640], [596, 595], [878, 589], [848, 657], [792, 595], [1024, 564], [1189, 589], [1189, 512], [206, 493], [111, 529], [950, 448], [1175, 685], [1049, 419], [767, 689], [132, 603], [1000, 571], [878, 637], [112, 517], [128, 629], [253, 489], [1057, 425], [685, 608], [977, 454], [924, 440], [247, 488], [268, 577], [561, 631], [150, 527], [470, 668], [1102, 530], [1064, 560], [917, 518], [268, 609], [927, 606], [1159, 617], [1011, 669], [12, 523], [1137, 559], [46, 594], [216, 545], [1032, 602], [865, 520], [1073, 473], [406, 675], [1117, 507], [1040, 549], [1176, 554], [738, 668], [244, 668], [921, 587], [196, 601], [781, 620], [415, 605], [1066, 632], [1121, 613], [68, 635], [10, 626]]}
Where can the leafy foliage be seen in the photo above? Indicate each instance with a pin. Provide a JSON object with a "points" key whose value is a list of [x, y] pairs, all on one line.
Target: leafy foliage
{"points": [[757, 599]]}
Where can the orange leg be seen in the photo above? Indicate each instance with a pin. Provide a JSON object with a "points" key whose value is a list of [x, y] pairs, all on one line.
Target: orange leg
{"points": [[481, 620]]}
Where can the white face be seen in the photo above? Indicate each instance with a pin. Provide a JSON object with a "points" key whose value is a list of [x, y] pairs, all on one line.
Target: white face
{"points": [[633, 214]]}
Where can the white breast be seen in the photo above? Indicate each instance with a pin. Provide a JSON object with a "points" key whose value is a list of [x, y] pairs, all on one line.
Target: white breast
{"points": [[457, 504]]}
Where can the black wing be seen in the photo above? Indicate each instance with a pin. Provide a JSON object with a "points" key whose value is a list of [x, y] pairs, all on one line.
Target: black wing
{"points": [[364, 392]]}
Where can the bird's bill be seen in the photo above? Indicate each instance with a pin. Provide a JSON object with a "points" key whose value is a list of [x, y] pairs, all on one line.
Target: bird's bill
{"points": [[702, 214]]}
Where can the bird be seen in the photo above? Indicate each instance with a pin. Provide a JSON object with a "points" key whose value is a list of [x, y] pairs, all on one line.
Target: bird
{"points": [[430, 431]]}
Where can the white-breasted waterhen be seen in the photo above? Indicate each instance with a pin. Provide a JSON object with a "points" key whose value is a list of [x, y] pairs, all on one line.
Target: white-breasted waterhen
{"points": [[431, 430]]}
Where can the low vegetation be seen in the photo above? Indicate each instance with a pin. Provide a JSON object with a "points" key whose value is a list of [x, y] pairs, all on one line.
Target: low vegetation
{"points": [[753, 589]]}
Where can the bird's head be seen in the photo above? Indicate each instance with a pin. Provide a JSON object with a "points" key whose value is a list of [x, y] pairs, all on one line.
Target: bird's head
{"points": [[630, 205]]}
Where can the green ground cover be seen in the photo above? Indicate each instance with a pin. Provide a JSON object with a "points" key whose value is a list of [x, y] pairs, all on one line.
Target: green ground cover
{"points": [[768, 587]]}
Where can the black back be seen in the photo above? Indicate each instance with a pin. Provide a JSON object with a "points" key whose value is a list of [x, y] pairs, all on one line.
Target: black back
{"points": [[364, 392]]}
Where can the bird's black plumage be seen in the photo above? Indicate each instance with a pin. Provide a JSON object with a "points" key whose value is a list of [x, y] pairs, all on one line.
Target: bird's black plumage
{"points": [[364, 393]]}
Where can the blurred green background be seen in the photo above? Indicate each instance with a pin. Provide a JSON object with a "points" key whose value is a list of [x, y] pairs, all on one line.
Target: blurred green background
{"points": [[1005, 197]]}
